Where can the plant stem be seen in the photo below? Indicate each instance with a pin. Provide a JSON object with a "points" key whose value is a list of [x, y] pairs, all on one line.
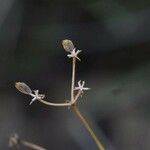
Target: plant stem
{"points": [[32, 146], [73, 78], [89, 129], [76, 97], [55, 104]]}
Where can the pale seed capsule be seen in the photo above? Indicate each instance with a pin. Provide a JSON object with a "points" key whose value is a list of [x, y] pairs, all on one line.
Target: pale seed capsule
{"points": [[23, 88], [68, 45]]}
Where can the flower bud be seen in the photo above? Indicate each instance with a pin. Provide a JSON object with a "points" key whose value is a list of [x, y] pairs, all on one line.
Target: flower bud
{"points": [[68, 45], [23, 88]]}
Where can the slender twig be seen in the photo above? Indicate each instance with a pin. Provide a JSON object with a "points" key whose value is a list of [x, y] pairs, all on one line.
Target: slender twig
{"points": [[32, 146], [15, 141], [87, 126], [73, 78], [77, 97], [55, 104]]}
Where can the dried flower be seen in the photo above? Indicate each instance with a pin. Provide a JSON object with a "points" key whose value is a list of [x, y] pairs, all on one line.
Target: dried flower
{"points": [[36, 96], [81, 86], [68, 45], [14, 140], [74, 54], [23, 88]]}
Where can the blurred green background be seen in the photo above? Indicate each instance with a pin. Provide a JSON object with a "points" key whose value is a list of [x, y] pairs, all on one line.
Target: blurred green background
{"points": [[115, 38]]}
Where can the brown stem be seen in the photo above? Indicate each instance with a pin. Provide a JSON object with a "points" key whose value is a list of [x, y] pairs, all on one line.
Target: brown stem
{"points": [[87, 126], [55, 104], [32, 146], [73, 78]]}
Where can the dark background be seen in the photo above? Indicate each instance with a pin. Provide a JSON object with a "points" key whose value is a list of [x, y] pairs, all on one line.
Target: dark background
{"points": [[115, 38]]}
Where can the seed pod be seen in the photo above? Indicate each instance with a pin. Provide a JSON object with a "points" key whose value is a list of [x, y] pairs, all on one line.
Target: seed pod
{"points": [[68, 45], [23, 88]]}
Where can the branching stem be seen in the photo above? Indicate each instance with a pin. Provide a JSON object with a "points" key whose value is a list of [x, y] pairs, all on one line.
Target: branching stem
{"points": [[72, 103], [76, 97]]}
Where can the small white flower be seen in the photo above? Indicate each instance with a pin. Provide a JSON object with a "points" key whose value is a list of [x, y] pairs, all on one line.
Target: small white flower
{"points": [[81, 86], [74, 54], [36, 96]]}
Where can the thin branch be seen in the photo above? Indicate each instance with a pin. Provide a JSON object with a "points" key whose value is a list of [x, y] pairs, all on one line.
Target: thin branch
{"points": [[32, 146], [73, 78], [15, 141], [77, 96], [55, 104], [89, 129], [68, 103]]}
